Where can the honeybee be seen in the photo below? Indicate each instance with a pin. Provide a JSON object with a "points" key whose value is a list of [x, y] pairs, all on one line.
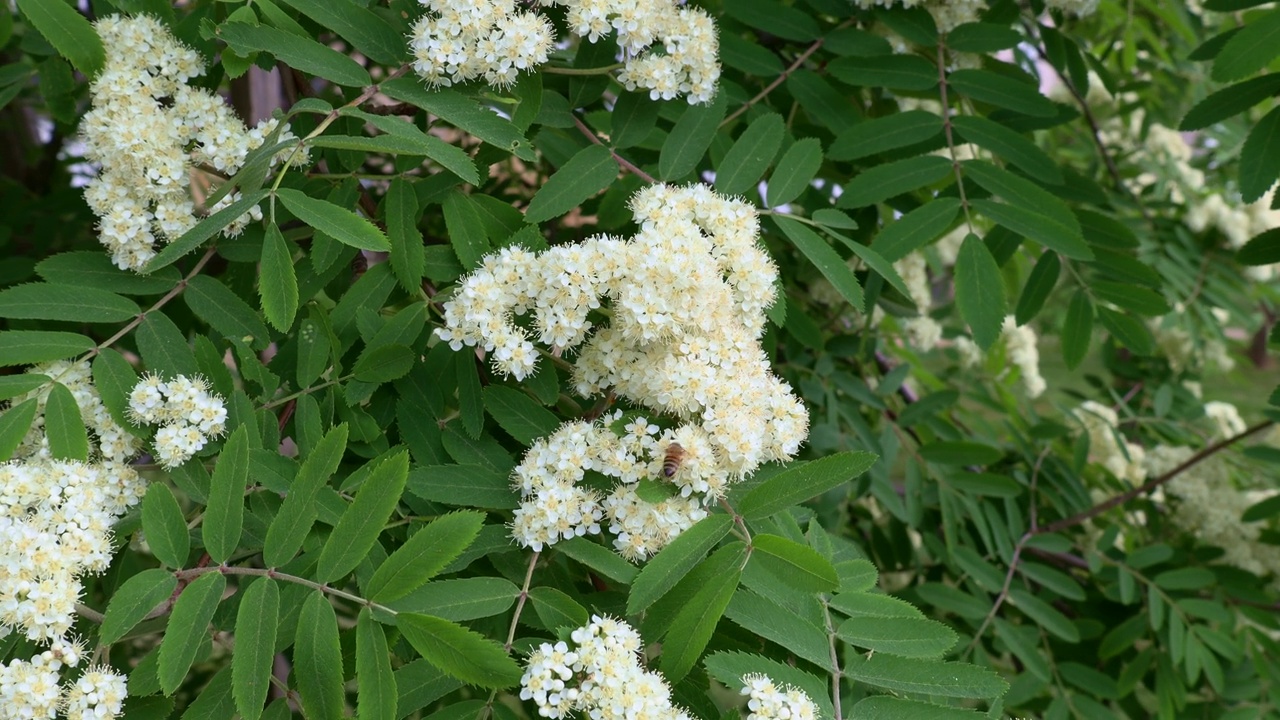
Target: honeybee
{"points": [[672, 459]]}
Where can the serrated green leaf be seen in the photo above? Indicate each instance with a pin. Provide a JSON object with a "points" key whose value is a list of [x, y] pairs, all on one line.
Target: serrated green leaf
{"points": [[600, 559], [204, 230], [1002, 91], [188, 624], [1250, 49], [256, 623], [376, 684], [689, 139], [979, 291], [794, 172], [12, 386], [664, 570], [1128, 331], [1230, 101], [1077, 329], [217, 305], [293, 522], [694, 623], [408, 261], [403, 137], [1262, 249], [1044, 614], [885, 133], [68, 32], [902, 636], [470, 394], [317, 655], [463, 598], [384, 364], [164, 347], [466, 230], [28, 347], [463, 113], [133, 601], [730, 667], [64, 426], [1041, 281], [15, 422], [916, 229], [362, 522], [49, 301], [634, 117], [1140, 300], [557, 610], [799, 565], [774, 18], [588, 172], [885, 707], [801, 481], [462, 653], [277, 280], [882, 182], [423, 555], [1028, 210], [1015, 148], [828, 262], [896, 72], [224, 514], [165, 527], [960, 452], [336, 222], [520, 415], [942, 679], [115, 379], [772, 622], [1260, 158], [300, 53], [470, 485], [370, 34], [93, 269], [750, 155]]}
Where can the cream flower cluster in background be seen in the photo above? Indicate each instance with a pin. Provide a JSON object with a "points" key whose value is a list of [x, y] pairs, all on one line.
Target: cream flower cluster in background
{"points": [[187, 413], [1021, 351], [458, 42], [685, 300], [109, 440], [770, 702], [150, 132], [1120, 457]]}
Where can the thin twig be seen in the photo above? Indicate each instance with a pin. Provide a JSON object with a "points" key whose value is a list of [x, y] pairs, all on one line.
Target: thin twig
{"points": [[773, 85], [624, 163], [836, 672], [946, 127], [520, 600]]}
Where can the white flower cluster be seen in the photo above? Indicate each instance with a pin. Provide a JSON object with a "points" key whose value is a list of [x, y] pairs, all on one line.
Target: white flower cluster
{"points": [[1121, 458], [686, 297], [29, 688], [187, 413], [769, 702], [600, 676], [151, 132], [97, 695], [110, 441], [459, 41], [1225, 418], [948, 14], [1183, 351], [922, 331], [1021, 351]]}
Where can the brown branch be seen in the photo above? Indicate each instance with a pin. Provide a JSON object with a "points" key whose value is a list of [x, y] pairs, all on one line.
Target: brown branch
{"points": [[773, 85], [624, 163]]}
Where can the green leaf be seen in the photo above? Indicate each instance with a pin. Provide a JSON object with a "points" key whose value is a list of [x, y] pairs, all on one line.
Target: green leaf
{"points": [[462, 598], [466, 230], [1187, 578], [980, 37], [801, 481], [164, 347], [520, 415], [1002, 91], [49, 301], [1017, 149], [885, 707], [695, 622], [470, 485], [916, 229], [960, 452], [12, 386], [772, 622], [370, 34], [1230, 101], [405, 138], [293, 522], [600, 559], [165, 527], [828, 262], [94, 269], [217, 305], [115, 379], [470, 401], [256, 623], [424, 555], [408, 261], [1261, 510], [557, 610], [979, 291], [794, 172], [896, 72], [1128, 331], [68, 32], [1263, 249], [300, 53], [942, 679], [384, 364], [376, 694], [133, 601], [317, 656], [1131, 297], [1260, 158], [774, 18], [588, 172], [634, 117], [188, 625], [337, 222], [15, 423], [884, 134], [204, 230], [882, 182], [729, 667], [985, 484], [1077, 329], [878, 264], [64, 427], [463, 113], [28, 347], [224, 515], [1250, 49], [748, 158], [664, 570], [800, 566], [689, 139], [462, 653], [1028, 210], [362, 522], [1044, 615], [277, 280], [903, 636], [1041, 281]]}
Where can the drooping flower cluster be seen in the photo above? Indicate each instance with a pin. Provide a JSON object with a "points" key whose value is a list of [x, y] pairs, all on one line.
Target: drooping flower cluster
{"points": [[109, 440], [769, 702], [152, 133], [456, 42], [459, 42], [686, 297], [922, 331], [1021, 351], [187, 413], [1120, 457], [599, 676]]}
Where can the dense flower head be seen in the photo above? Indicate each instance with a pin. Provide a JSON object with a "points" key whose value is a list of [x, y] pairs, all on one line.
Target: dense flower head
{"points": [[1120, 457], [456, 42], [97, 695], [109, 440], [768, 701], [151, 132], [599, 675], [188, 414], [685, 300]]}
